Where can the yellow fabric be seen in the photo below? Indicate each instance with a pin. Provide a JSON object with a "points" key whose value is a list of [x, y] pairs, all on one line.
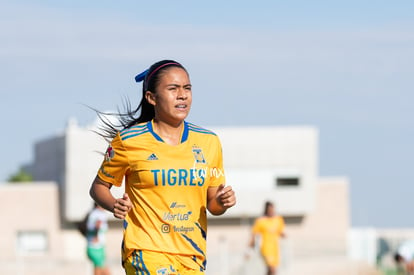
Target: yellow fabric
{"points": [[149, 262], [269, 229], [168, 188]]}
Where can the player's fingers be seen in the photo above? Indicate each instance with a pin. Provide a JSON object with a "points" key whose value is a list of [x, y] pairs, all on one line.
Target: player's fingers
{"points": [[229, 203], [227, 189], [230, 200], [119, 213], [122, 205], [229, 193]]}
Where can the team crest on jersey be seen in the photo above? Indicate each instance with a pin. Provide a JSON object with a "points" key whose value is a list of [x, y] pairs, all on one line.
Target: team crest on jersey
{"points": [[109, 154], [198, 155]]}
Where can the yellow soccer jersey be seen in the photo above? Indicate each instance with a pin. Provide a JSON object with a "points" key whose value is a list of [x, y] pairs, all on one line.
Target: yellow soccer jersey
{"points": [[270, 229], [168, 188]]}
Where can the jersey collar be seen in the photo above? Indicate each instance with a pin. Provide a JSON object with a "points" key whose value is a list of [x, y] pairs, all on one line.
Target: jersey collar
{"points": [[184, 135]]}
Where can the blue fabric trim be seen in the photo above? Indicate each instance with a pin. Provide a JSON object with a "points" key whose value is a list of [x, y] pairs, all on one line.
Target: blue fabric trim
{"points": [[144, 267], [134, 135], [193, 244], [199, 129], [203, 233], [151, 130], [185, 133], [133, 129], [184, 136]]}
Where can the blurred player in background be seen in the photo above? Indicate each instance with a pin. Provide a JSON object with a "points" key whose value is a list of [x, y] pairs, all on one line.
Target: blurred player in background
{"points": [[269, 228], [96, 227], [173, 172], [404, 257]]}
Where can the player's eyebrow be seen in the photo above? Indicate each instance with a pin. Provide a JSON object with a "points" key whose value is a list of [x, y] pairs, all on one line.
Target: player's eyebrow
{"points": [[177, 85]]}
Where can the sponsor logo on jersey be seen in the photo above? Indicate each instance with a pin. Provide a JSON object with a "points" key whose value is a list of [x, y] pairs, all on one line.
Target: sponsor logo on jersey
{"points": [[183, 229], [170, 217], [176, 205], [152, 157], [198, 155]]}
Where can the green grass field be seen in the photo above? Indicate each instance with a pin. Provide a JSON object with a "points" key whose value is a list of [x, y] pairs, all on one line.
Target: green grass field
{"points": [[390, 271]]}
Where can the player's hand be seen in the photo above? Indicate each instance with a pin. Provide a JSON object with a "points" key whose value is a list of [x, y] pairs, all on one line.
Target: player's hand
{"points": [[248, 253], [122, 206], [410, 267], [225, 196]]}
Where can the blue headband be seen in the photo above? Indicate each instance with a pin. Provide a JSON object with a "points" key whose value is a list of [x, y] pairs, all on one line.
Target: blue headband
{"points": [[140, 77]]}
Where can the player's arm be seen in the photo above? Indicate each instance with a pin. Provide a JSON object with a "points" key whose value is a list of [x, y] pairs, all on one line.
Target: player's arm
{"points": [[219, 199], [252, 241], [98, 225], [100, 192], [410, 266]]}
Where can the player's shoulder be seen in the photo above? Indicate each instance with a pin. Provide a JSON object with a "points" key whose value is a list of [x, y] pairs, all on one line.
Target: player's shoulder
{"points": [[280, 218], [261, 219], [134, 131], [199, 130]]}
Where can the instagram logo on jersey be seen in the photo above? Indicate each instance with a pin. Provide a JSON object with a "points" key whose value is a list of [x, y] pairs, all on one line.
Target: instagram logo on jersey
{"points": [[165, 228]]}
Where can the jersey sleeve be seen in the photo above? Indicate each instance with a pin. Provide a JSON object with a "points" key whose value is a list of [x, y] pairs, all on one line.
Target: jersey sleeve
{"points": [[256, 226], [282, 225], [217, 176], [115, 164]]}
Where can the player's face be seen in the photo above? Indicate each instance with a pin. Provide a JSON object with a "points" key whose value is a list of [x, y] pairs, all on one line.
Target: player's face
{"points": [[270, 211], [173, 97]]}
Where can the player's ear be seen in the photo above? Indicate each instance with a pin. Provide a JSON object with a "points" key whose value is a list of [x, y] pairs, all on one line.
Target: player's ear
{"points": [[150, 97]]}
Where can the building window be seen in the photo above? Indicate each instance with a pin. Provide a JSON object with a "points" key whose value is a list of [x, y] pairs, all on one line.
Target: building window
{"points": [[287, 181], [32, 242]]}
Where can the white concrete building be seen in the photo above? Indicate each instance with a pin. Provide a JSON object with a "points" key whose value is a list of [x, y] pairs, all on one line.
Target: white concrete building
{"points": [[261, 163]]}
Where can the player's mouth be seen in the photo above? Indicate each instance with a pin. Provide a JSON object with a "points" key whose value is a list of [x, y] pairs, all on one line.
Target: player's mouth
{"points": [[181, 106]]}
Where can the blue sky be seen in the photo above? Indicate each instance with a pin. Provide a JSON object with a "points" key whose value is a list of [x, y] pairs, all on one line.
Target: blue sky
{"points": [[345, 67]]}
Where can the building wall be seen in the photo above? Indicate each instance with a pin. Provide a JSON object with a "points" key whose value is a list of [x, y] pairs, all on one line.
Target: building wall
{"points": [[85, 150], [255, 156], [29, 208], [325, 230]]}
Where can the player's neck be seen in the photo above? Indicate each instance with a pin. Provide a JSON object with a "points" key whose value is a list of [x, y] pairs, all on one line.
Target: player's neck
{"points": [[170, 134]]}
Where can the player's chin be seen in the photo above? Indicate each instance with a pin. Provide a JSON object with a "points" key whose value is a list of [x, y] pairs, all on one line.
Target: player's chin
{"points": [[182, 114]]}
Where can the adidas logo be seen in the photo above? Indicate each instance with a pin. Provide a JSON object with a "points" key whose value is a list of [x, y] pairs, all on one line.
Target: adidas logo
{"points": [[152, 157]]}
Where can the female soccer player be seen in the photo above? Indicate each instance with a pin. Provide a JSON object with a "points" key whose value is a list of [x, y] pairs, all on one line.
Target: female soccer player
{"points": [[173, 173], [270, 227]]}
